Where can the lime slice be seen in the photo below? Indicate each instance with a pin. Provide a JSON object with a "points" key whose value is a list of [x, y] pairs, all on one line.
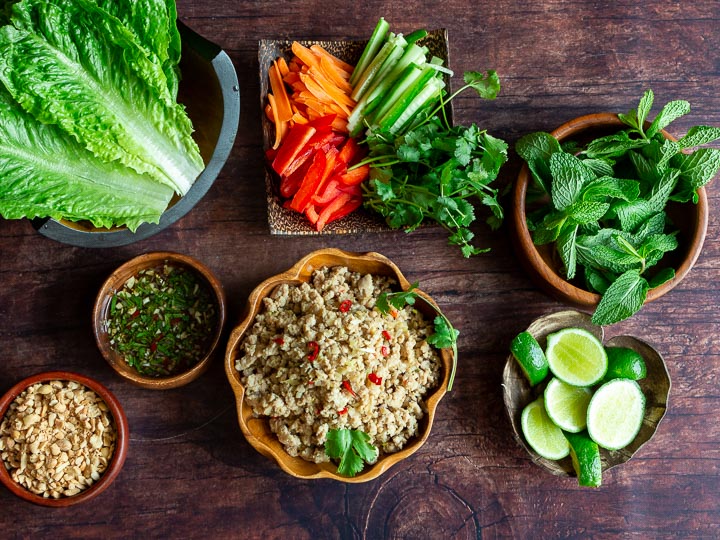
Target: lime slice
{"points": [[615, 413], [530, 357], [541, 433], [624, 363], [576, 357], [585, 456], [567, 405]]}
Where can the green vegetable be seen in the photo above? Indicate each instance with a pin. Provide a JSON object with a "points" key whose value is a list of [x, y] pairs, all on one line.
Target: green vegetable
{"points": [[72, 65], [352, 447], [445, 335], [61, 179], [606, 214]]}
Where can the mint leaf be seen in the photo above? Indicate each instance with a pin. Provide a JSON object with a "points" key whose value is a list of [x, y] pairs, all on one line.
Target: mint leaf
{"points": [[536, 149], [596, 280], [568, 249], [643, 110], [622, 299], [699, 135], [607, 187], [352, 447], [614, 145], [601, 167], [699, 167], [569, 175], [663, 276], [671, 112], [584, 212]]}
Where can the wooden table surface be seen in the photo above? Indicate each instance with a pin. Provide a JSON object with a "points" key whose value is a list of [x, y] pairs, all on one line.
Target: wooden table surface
{"points": [[189, 471]]}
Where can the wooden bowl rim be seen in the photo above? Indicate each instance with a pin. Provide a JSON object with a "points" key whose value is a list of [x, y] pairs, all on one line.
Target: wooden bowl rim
{"points": [[535, 263], [121, 442], [117, 279], [276, 451]]}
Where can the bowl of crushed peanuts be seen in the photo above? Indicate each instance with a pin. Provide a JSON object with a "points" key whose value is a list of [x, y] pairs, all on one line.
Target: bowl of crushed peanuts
{"points": [[63, 438]]}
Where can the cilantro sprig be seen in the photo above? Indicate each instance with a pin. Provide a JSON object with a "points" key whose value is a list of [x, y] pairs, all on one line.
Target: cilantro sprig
{"points": [[445, 335], [352, 447], [435, 172], [607, 210]]}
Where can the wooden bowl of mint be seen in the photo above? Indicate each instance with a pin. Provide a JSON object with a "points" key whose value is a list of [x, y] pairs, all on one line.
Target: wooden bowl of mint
{"points": [[158, 319], [602, 239], [518, 393]]}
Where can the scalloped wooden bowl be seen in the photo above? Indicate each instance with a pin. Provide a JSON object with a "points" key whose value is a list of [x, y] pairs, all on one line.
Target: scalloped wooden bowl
{"points": [[517, 392], [121, 442], [257, 429], [541, 262], [115, 282]]}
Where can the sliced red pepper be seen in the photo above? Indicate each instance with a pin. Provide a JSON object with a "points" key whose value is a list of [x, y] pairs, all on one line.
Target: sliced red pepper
{"points": [[345, 306], [310, 182], [289, 185], [373, 378], [386, 335], [311, 214], [314, 349], [294, 142], [332, 190], [384, 351], [316, 142], [343, 410], [349, 150], [279, 340], [356, 176], [322, 121], [346, 386], [341, 206]]}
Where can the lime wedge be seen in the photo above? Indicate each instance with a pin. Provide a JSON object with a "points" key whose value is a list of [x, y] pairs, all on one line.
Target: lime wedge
{"points": [[576, 357], [624, 363], [585, 456], [567, 405], [530, 357], [541, 433], [615, 413]]}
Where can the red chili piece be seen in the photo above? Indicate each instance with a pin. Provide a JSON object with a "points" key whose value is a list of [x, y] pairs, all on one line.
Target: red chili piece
{"points": [[345, 306], [386, 335], [279, 340], [343, 410], [346, 386], [375, 379], [384, 351], [314, 349]]}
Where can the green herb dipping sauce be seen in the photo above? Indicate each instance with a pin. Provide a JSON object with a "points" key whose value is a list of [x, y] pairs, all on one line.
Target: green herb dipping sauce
{"points": [[162, 320]]}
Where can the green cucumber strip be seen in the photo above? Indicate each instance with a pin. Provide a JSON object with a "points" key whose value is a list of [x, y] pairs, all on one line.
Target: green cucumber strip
{"points": [[390, 52], [373, 46], [403, 102], [429, 94], [407, 79], [417, 35]]}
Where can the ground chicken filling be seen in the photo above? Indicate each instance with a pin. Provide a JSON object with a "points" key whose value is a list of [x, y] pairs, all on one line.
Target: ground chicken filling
{"points": [[319, 357]]}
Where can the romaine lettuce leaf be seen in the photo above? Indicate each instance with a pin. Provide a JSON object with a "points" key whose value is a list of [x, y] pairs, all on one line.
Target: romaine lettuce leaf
{"points": [[68, 63], [45, 173]]}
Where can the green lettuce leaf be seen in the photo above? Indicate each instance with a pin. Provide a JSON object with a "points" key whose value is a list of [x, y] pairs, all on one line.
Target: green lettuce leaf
{"points": [[68, 63], [46, 173]]}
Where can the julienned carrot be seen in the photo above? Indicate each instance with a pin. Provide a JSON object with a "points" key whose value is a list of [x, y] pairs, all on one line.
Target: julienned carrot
{"points": [[319, 85]]}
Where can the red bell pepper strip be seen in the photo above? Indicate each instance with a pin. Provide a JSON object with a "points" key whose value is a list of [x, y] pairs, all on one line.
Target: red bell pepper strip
{"points": [[331, 191], [289, 185], [310, 183], [355, 176], [349, 150], [340, 207], [320, 140], [294, 142]]}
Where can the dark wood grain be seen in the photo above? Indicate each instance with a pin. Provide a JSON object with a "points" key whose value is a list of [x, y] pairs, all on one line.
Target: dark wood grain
{"points": [[190, 473]]}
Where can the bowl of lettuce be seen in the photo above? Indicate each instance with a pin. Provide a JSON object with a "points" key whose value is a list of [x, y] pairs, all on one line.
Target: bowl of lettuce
{"points": [[115, 118]]}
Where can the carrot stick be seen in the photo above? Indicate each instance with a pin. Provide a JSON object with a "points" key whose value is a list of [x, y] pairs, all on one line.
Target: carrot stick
{"points": [[344, 66], [282, 101]]}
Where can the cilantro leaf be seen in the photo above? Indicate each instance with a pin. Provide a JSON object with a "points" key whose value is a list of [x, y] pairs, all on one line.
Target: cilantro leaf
{"points": [[352, 447], [487, 84]]}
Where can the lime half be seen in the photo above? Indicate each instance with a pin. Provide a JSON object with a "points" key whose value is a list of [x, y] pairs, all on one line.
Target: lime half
{"points": [[615, 413], [541, 433], [567, 405], [530, 356], [585, 456], [624, 363], [576, 357]]}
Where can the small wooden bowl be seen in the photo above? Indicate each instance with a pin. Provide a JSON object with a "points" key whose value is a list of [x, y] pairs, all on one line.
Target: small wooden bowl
{"points": [[517, 392], [116, 281], [257, 430], [121, 442], [541, 262]]}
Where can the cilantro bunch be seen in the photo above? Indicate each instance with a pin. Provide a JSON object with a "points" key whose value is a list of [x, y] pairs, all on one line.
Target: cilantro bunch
{"points": [[352, 447], [435, 172], [607, 210]]}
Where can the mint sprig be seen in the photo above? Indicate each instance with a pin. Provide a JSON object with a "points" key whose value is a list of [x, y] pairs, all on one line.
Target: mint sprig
{"points": [[607, 199]]}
